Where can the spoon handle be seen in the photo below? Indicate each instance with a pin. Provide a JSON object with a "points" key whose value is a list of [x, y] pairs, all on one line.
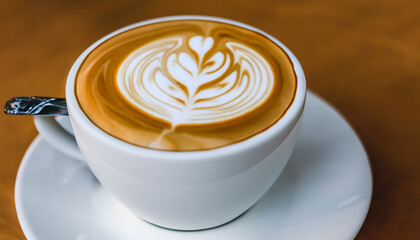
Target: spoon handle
{"points": [[36, 106]]}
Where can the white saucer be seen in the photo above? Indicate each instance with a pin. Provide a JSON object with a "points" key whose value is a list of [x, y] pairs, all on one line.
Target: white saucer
{"points": [[323, 193]]}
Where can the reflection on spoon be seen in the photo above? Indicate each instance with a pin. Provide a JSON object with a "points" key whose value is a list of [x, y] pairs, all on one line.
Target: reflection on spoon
{"points": [[36, 106]]}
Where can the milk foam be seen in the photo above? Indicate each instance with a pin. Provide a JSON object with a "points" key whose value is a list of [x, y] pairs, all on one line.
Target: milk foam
{"points": [[186, 85], [199, 86]]}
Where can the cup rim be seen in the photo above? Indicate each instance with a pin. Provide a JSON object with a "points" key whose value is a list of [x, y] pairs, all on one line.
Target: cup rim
{"points": [[292, 113]]}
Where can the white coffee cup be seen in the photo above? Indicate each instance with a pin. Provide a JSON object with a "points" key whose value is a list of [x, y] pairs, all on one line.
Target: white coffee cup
{"points": [[188, 190]]}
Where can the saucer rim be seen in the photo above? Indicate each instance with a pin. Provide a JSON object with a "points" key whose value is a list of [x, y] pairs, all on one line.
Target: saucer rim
{"points": [[341, 116], [23, 221]]}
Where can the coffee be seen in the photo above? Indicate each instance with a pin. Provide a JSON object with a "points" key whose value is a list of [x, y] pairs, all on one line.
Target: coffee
{"points": [[184, 85]]}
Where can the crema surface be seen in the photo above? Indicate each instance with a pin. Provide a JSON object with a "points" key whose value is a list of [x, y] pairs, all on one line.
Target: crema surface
{"points": [[185, 85]]}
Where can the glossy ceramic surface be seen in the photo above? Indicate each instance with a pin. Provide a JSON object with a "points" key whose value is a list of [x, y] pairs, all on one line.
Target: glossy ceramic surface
{"points": [[323, 193]]}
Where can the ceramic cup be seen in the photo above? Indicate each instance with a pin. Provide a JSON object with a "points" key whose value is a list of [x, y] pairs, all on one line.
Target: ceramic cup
{"points": [[180, 190]]}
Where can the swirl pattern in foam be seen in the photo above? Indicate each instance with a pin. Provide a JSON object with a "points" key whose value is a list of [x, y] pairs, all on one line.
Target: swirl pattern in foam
{"points": [[196, 88], [184, 85]]}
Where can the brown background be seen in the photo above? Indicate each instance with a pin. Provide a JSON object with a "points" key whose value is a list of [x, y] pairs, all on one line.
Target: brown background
{"points": [[361, 56]]}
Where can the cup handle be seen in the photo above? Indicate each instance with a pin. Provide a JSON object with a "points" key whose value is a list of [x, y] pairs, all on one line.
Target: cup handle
{"points": [[57, 136]]}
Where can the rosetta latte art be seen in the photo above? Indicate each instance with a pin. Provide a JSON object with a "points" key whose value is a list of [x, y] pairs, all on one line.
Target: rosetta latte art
{"points": [[200, 86], [186, 84]]}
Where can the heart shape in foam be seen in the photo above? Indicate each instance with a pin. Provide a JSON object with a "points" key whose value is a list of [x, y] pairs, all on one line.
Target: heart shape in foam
{"points": [[171, 84], [200, 45]]}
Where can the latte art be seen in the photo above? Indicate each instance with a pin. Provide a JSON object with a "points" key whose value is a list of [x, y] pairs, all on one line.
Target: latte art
{"points": [[185, 85], [199, 88]]}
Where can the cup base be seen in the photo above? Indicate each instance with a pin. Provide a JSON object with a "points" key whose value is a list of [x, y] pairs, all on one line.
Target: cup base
{"points": [[201, 229]]}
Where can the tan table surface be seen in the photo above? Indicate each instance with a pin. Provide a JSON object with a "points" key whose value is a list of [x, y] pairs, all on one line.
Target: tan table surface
{"points": [[361, 56]]}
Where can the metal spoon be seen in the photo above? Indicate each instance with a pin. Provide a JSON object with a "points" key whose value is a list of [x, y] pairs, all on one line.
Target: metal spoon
{"points": [[36, 106]]}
